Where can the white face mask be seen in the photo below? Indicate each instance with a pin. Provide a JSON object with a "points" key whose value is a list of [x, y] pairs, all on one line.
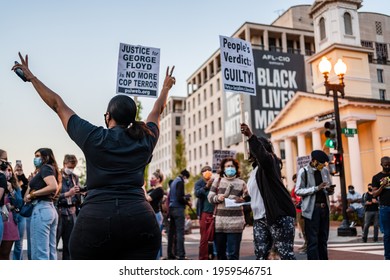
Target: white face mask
{"points": [[68, 171]]}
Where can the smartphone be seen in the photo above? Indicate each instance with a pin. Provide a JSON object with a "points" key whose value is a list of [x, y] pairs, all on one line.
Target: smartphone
{"points": [[20, 73]]}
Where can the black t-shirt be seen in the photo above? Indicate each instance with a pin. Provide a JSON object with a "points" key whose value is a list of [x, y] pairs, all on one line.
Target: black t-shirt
{"points": [[156, 195], [3, 185], [113, 158], [384, 197], [320, 195], [23, 182], [37, 182], [370, 207]]}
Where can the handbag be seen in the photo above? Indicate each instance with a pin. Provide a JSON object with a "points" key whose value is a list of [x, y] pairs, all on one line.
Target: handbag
{"points": [[211, 221], [27, 209], [4, 213]]}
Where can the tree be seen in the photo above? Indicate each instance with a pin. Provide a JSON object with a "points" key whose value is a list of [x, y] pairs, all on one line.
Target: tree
{"points": [[83, 172], [245, 166], [180, 157], [138, 116]]}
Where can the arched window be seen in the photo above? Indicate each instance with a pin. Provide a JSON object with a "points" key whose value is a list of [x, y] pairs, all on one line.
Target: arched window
{"points": [[322, 29], [348, 23]]}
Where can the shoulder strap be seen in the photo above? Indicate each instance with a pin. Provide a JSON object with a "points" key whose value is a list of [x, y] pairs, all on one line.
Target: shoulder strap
{"points": [[305, 176]]}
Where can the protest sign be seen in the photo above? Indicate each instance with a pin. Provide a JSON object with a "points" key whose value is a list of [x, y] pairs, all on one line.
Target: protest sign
{"points": [[138, 70], [238, 72], [303, 161], [219, 155]]}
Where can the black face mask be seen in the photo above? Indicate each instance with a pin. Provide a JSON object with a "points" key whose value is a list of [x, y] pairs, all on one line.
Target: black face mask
{"points": [[386, 169], [370, 189]]}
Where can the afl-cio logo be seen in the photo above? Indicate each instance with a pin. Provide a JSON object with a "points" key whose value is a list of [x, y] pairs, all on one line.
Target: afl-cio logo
{"points": [[279, 58]]}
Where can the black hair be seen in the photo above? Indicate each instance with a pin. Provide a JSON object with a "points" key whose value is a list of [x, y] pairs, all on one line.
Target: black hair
{"points": [[185, 173], [123, 110], [222, 166], [47, 156], [158, 174]]}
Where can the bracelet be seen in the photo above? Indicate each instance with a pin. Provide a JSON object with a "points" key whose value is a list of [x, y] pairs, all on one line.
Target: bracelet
{"points": [[32, 195]]}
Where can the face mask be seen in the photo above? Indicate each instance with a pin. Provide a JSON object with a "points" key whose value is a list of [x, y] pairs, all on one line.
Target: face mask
{"points": [[319, 166], [370, 189], [37, 162], [8, 175], [386, 169], [351, 192], [207, 175], [230, 171], [68, 171], [153, 182]]}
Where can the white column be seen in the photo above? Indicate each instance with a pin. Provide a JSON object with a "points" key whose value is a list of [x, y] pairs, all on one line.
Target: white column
{"points": [[289, 161], [355, 161], [284, 42], [316, 139], [265, 40], [301, 145], [276, 145], [302, 44]]}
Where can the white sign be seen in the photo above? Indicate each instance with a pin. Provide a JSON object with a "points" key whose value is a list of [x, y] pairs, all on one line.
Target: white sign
{"points": [[219, 155], [238, 71], [303, 161], [138, 70]]}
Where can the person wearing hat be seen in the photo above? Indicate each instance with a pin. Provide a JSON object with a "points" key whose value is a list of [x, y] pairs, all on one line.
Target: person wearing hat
{"points": [[314, 186], [204, 210]]}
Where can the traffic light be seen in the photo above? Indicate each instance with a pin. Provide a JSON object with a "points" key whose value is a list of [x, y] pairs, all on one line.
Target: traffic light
{"points": [[338, 161], [331, 134], [331, 165]]}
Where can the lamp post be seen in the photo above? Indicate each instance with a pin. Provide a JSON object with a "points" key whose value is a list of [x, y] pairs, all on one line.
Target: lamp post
{"points": [[340, 69]]}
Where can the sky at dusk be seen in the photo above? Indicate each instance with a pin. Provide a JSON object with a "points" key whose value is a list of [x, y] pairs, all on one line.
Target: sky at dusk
{"points": [[73, 48]]}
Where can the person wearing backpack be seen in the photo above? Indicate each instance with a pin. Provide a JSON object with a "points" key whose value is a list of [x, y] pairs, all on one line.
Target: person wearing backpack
{"points": [[371, 213], [314, 186]]}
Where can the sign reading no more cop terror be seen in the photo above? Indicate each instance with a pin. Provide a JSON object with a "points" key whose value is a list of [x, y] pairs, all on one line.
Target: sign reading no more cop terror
{"points": [[238, 72], [138, 70]]}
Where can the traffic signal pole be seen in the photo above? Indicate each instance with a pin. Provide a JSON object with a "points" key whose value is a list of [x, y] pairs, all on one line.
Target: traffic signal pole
{"points": [[344, 229]]}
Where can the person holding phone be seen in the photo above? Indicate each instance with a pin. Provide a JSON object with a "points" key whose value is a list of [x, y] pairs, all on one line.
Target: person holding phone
{"points": [[314, 186], [116, 221]]}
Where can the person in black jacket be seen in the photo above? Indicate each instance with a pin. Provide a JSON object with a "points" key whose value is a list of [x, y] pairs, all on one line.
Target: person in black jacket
{"points": [[274, 223]]}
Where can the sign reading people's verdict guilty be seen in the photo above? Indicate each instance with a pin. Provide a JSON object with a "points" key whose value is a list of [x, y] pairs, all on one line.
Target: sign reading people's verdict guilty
{"points": [[138, 70]]}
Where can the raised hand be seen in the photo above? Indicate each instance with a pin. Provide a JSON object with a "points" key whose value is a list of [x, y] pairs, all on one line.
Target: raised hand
{"points": [[24, 67]]}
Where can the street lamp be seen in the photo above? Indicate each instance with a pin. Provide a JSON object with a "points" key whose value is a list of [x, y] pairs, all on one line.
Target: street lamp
{"points": [[340, 69]]}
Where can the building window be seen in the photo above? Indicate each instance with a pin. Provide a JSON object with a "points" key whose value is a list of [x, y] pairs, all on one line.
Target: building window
{"points": [[348, 23], [212, 108], [199, 117], [206, 150], [378, 28], [219, 124], [200, 151], [218, 85], [322, 29], [212, 128], [379, 73], [367, 44], [219, 104], [194, 136], [220, 143], [189, 122], [382, 94], [198, 98], [177, 120], [205, 131], [195, 154], [193, 119], [381, 53], [212, 145], [177, 133], [189, 139], [205, 112], [204, 95], [189, 155], [211, 90], [200, 134], [188, 105]]}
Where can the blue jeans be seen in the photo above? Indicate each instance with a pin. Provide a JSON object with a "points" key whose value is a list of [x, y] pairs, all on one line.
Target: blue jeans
{"points": [[159, 218], [384, 213], [44, 220], [18, 245], [228, 245], [317, 233]]}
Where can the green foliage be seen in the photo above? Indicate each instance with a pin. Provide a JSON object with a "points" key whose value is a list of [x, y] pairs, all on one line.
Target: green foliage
{"points": [[83, 171], [138, 116], [245, 166], [180, 156]]}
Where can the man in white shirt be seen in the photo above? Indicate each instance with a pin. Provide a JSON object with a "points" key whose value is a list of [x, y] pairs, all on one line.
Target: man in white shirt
{"points": [[355, 205]]}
